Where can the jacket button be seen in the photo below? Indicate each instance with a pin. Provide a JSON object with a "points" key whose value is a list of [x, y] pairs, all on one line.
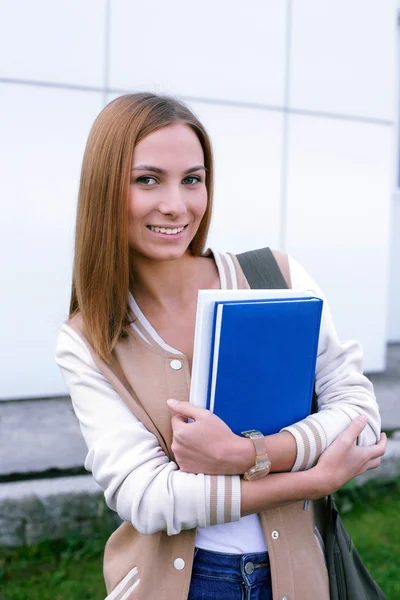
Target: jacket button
{"points": [[285, 598], [275, 535], [176, 365], [179, 564]]}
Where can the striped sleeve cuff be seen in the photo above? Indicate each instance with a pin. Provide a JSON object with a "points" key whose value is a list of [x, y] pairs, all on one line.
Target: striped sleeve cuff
{"points": [[311, 442], [222, 496]]}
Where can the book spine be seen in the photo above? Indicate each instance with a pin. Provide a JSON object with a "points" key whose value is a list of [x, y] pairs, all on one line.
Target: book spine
{"points": [[216, 335]]}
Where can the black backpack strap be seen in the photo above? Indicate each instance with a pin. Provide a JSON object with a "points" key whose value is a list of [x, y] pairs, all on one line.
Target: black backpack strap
{"points": [[262, 272], [261, 269]]}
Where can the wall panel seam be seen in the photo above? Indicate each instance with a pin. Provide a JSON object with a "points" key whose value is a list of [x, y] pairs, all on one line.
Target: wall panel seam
{"points": [[285, 131], [106, 50]]}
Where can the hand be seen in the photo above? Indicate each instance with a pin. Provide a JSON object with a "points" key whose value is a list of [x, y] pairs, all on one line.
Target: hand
{"points": [[207, 445], [343, 460]]}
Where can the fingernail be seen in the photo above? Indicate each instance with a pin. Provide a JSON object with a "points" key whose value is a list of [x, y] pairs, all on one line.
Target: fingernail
{"points": [[172, 402], [363, 418]]}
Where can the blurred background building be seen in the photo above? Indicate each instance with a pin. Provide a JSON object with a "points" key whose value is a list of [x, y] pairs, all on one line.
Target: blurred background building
{"points": [[300, 99]]}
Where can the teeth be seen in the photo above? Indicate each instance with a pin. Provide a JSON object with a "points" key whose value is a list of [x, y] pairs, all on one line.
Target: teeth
{"points": [[165, 230]]}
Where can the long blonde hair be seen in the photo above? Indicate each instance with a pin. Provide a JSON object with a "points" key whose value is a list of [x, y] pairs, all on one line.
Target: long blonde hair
{"points": [[101, 272]]}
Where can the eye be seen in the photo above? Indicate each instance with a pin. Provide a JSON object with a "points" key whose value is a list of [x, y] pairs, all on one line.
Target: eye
{"points": [[192, 179], [146, 180]]}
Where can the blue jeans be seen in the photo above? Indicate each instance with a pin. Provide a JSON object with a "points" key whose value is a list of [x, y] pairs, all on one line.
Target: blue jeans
{"points": [[232, 576]]}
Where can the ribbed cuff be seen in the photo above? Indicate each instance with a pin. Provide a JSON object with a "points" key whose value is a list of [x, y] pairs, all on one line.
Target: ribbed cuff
{"points": [[311, 442], [222, 495]]}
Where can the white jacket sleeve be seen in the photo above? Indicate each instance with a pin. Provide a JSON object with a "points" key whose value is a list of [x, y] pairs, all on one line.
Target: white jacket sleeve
{"points": [[139, 481], [342, 389]]}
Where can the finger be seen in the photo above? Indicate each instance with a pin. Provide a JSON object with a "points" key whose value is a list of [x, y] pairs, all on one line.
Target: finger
{"points": [[188, 410], [373, 454], [177, 421], [383, 438], [355, 428], [380, 448], [373, 464]]}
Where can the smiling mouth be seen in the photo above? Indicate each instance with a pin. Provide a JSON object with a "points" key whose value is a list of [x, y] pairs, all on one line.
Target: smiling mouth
{"points": [[166, 230]]}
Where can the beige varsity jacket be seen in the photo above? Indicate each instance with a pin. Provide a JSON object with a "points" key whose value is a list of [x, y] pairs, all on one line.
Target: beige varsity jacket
{"points": [[158, 566]]}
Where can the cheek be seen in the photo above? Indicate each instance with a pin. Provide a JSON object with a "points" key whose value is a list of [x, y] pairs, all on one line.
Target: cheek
{"points": [[201, 203], [137, 206]]}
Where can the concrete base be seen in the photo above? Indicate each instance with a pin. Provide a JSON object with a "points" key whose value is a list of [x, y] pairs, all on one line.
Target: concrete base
{"points": [[47, 509], [39, 435]]}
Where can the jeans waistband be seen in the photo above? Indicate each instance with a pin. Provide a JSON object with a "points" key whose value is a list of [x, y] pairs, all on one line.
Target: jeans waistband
{"points": [[249, 568]]}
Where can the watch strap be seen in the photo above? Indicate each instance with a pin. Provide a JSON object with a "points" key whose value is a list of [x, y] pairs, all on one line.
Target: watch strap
{"points": [[262, 463], [259, 445]]}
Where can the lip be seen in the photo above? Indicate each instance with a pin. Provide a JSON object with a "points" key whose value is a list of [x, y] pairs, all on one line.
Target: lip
{"points": [[167, 226]]}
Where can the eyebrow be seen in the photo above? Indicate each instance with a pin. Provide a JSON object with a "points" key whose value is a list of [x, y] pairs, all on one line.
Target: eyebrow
{"points": [[162, 172]]}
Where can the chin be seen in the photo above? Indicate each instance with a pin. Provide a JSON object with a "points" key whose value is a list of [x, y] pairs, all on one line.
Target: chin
{"points": [[170, 254], [161, 254]]}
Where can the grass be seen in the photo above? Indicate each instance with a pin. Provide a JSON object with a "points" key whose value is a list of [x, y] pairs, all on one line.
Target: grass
{"points": [[374, 525], [71, 569]]}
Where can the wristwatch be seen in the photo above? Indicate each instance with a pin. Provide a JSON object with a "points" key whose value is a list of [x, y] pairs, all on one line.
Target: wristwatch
{"points": [[263, 464]]}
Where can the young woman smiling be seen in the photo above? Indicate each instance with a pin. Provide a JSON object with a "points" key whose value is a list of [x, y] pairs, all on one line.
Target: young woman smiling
{"points": [[193, 527]]}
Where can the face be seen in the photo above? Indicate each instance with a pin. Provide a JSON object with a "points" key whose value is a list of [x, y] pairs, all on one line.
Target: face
{"points": [[168, 195]]}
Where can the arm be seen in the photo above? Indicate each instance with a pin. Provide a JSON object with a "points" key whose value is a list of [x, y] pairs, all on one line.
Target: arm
{"points": [[342, 461], [343, 394], [139, 481]]}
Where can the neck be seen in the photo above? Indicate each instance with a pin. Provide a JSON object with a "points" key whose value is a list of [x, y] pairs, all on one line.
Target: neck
{"points": [[165, 283]]}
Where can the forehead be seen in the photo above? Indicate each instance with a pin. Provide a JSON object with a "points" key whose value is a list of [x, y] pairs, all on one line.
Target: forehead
{"points": [[169, 145]]}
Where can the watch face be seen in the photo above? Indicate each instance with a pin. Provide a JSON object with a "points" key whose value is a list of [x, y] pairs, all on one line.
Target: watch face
{"points": [[256, 475], [252, 433], [258, 471]]}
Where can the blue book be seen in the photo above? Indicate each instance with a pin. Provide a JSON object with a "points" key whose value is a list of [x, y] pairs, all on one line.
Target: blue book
{"points": [[262, 363]]}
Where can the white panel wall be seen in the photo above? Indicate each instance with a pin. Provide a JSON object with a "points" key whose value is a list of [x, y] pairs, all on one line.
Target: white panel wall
{"points": [[343, 57], [339, 205], [43, 134], [230, 60], [220, 50], [58, 41]]}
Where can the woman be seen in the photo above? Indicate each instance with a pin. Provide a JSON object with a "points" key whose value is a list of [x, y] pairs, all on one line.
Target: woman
{"points": [[193, 527]]}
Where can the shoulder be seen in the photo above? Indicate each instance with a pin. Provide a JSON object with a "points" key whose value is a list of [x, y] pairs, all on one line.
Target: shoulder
{"points": [[72, 344], [302, 279], [75, 323], [283, 263], [72, 334], [295, 274]]}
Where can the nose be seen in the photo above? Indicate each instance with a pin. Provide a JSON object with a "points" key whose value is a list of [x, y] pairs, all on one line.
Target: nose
{"points": [[173, 202]]}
